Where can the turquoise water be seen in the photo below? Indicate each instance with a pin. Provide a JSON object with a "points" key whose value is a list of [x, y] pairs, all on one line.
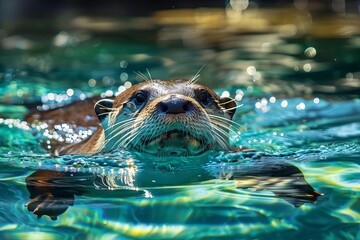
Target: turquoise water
{"points": [[300, 106]]}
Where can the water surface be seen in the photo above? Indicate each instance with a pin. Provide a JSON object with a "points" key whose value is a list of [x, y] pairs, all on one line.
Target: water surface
{"points": [[300, 105]]}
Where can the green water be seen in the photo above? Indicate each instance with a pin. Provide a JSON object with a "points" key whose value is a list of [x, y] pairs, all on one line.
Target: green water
{"points": [[298, 108]]}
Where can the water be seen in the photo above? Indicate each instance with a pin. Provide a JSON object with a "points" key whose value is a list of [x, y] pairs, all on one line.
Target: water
{"points": [[300, 107]]}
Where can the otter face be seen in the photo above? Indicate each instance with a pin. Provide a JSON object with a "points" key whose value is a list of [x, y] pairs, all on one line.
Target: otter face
{"points": [[167, 118]]}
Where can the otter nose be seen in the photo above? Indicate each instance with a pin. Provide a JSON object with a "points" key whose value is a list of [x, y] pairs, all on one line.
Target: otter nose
{"points": [[175, 105]]}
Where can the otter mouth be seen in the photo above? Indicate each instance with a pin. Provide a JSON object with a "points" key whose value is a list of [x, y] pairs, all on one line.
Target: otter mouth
{"points": [[173, 134], [175, 143]]}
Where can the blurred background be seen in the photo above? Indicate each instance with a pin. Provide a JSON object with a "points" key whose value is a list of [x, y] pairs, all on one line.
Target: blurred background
{"points": [[16, 15], [286, 47]]}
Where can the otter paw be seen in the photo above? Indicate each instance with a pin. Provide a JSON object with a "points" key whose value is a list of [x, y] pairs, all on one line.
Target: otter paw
{"points": [[48, 204]]}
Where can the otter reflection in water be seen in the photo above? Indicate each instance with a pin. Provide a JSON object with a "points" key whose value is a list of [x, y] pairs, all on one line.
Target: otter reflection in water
{"points": [[177, 120]]}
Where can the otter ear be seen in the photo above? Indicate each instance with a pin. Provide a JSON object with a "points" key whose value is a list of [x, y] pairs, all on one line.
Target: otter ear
{"points": [[103, 107], [229, 105]]}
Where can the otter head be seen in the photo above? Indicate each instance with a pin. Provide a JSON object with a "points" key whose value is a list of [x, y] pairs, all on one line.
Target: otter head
{"points": [[166, 118]]}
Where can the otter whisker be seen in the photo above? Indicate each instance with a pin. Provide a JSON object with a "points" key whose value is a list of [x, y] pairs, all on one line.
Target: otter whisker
{"points": [[220, 139], [125, 126], [149, 74], [125, 137], [148, 137], [231, 100], [194, 78], [203, 136], [107, 108], [224, 124], [124, 143], [229, 121], [221, 129], [106, 113], [140, 74], [125, 129], [121, 122], [130, 138], [235, 133], [225, 127], [119, 125], [229, 109], [140, 131], [120, 129], [223, 142]]}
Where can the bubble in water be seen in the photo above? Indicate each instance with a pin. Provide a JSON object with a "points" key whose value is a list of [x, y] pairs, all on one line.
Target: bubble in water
{"points": [[70, 92], [264, 101], [300, 106], [238, 97], [239, 5], [250, 89], [123, 64], [109, 93], [92, 82], [284, 103], [251, 70], [349, 76], [307, 67], [128, 84], [225, 94], [20, 93], [310, 52], [124, 76], [51, 96], [121, 89]]}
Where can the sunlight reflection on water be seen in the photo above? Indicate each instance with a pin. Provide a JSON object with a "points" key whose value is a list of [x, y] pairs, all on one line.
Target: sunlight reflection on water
{"points": [[299, 97]]}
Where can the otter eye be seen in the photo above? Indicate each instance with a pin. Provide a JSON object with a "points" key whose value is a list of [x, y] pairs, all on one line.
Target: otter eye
{"points": [[140, 98], [204, 97]]}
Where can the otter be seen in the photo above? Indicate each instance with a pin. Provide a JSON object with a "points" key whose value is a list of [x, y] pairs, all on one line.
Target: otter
{"points": [[162, 118], [156, 119]]}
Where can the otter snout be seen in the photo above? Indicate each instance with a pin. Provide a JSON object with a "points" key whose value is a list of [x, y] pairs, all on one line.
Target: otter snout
{"points": [[175, 105]]}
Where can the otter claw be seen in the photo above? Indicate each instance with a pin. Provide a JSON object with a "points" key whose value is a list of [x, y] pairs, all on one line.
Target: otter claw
{"points": [[35, 199], [49, 198]]}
